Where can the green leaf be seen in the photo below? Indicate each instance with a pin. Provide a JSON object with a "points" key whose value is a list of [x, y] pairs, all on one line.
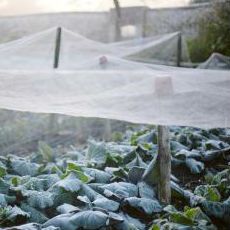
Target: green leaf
{"points": [[195, 166], [73, 166], [209, 192], [145, 190], [50, 179], [196, 214], [106, 204], [4, 186], [80, 220], [46, 151], [181, 218], [96, 152], [67, 208], [155, 227], [23, 168], [136, 135], [35, 215], [35, 183], [15, 181], [37, 199], [78, 174], [144, 205], [2, 170], [70, 183], [10, 215], [170, 209], [3, 202], [113, 160], [122, 189], [137, 161], [217, 209], [32, 226], [99, 176]]}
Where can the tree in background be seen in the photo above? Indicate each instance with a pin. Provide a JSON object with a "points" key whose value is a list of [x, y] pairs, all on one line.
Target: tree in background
{"points": [[118, 19], [214, 32]]}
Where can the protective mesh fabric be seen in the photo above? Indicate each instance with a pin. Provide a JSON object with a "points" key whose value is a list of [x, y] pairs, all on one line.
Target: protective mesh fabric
{"points": [[92, 82], [34, 52], [197, 98], [160, 49], [216, 61], [106, 62], [37, 51], [135, 42]]}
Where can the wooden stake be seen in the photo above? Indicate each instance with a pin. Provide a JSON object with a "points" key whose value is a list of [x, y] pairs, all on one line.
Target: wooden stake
{"points": [[53, 117], [179, 49], [117, 20], [163, 90], [159, 170], [164, 164], [57, 48]]}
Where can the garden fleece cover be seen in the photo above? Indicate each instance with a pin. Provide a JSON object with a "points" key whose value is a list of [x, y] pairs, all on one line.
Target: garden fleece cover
{"points": [[94, 80]]}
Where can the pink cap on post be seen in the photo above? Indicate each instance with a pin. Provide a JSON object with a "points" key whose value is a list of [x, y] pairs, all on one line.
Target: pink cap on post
{"points": [[103, 60]]}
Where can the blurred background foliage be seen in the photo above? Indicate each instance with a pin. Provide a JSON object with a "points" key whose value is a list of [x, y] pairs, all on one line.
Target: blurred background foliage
{"points": [[21, 132], [214, 32]]}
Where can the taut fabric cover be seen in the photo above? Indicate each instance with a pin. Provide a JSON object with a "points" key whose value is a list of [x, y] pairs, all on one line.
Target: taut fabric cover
{"points": [[95, 81], [37, 51], [197, 98]]}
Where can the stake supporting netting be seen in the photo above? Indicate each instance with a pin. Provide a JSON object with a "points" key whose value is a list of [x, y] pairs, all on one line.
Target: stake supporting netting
{"points": [[36, 52], [94, 80]]}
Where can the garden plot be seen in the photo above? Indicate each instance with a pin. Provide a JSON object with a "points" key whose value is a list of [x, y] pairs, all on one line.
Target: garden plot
{"points": [[105, 186]]}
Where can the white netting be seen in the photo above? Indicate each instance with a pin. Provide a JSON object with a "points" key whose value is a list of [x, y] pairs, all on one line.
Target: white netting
{"points": [[160, 49], [37, 51], [216, 61], [91, 83], [34, 52], [176, 97]]}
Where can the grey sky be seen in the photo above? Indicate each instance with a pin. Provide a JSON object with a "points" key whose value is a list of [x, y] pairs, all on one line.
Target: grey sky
{"points": [[14, 7]]}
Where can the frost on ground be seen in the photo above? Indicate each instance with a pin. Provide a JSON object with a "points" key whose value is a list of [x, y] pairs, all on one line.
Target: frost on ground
{"points": [[102, 187]]}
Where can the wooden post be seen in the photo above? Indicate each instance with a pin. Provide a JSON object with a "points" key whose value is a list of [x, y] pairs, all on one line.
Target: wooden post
{"points": [[179, 49], [159, 170], [117, 20], [164, 89], [57, 48], [53, 117], [164, 164]]}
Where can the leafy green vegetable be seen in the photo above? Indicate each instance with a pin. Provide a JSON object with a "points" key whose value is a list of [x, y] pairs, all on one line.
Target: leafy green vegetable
{"points": [[2, 169], [194, 165], [70, 183], [114, 186], [37, 199], [209, 192], [191, 218], [46, 151], [9, 215], [80, 220], [23, 168], [144, 205]]}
